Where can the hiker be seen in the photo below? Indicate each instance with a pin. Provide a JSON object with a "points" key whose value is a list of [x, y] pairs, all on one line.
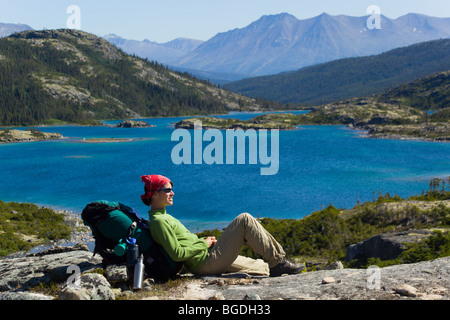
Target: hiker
{"points": [[115, 227], [210, 255]]}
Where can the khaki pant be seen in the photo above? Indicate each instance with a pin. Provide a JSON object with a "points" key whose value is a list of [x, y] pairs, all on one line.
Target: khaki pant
{"points": [[224, 256]]}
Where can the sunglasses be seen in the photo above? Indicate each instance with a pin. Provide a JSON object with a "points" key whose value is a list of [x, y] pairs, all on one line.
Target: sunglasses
{"points": [[166, 190]]}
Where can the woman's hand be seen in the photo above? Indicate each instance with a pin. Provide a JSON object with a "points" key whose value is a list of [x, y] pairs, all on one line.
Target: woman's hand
{"points": [[211, 241]]}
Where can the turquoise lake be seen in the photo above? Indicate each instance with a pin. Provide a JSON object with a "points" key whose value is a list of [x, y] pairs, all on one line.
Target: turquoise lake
{"points": [[318, 165]]}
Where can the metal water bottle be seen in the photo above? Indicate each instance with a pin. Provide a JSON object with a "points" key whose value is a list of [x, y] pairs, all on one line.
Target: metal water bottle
{"points": [[138, 273], [132, 256]]}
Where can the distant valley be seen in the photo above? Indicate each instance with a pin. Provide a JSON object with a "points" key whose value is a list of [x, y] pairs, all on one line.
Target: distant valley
{"points": [[54, 76], [350, 77]]}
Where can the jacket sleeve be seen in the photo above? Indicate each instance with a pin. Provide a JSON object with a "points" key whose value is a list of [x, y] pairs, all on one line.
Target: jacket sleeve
{"points": [[164, 234]]}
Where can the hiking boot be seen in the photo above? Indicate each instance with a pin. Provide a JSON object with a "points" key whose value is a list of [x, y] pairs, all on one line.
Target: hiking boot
{"points": [[286, 267]]}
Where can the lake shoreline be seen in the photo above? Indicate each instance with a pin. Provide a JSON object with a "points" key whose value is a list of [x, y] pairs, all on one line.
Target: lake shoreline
{"points": [[283, 120], [72, 172]]}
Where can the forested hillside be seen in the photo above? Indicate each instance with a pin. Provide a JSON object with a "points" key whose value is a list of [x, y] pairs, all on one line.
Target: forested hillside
{"points": [[352, 77], [73, 76], [429, 93]]}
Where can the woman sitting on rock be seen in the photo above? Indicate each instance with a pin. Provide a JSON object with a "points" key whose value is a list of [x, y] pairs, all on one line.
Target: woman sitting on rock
{"points": [[210, 255]]}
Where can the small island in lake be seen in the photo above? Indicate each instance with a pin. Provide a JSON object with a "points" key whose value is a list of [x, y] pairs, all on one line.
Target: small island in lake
{"points": [[105, 140], [134, 124], [13, 135], [280, 121]]}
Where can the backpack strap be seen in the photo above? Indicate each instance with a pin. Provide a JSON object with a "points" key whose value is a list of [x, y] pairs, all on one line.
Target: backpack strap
{"points": [[133, 215]]}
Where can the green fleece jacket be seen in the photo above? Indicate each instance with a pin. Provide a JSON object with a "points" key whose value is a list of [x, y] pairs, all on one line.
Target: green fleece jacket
{"points": [[180, 244]]}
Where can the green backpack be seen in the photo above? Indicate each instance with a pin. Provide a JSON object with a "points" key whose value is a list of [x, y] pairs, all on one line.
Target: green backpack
{"points": [[112, 223]]}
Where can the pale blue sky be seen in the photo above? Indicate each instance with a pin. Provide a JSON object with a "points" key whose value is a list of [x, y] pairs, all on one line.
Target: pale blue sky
{"points": [[165, 20]]}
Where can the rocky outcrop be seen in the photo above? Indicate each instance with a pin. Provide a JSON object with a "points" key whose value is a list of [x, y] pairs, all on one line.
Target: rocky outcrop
{"points": [[133, 124], [281, 121], [430, 131], [12, 135], [385, 246], [91, 286], [25, 272], [424, 280]]}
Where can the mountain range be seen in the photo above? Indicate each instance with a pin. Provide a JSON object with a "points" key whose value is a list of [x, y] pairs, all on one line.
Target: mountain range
{"points": [[319, 50], [7, 29], [281, 42], [167, 53]]}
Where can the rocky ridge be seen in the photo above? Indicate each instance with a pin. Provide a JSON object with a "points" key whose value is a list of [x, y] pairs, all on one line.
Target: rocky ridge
{"points": [[429, 280], [23, 275]]}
